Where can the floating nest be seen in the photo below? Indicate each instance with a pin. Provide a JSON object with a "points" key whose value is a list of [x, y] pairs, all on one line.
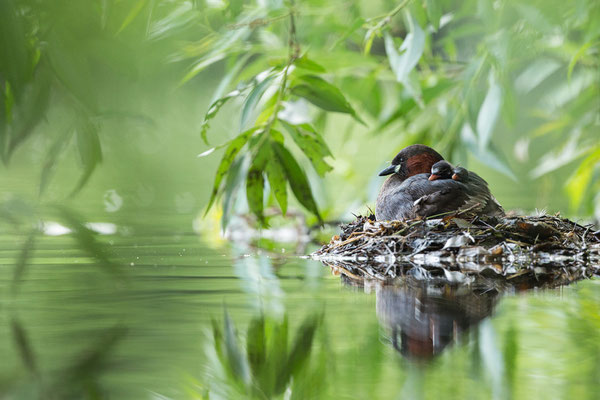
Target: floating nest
{"points": [[520, 251]]}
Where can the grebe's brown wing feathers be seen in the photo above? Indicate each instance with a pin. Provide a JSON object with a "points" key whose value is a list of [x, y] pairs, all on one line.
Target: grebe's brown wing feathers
{"points": [[451, 198], [478, 187], [419, 197]]}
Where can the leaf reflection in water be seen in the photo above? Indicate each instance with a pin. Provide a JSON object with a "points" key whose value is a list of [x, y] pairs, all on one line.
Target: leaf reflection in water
{"points": [[258, 280], [79, 379], [266, 363]]}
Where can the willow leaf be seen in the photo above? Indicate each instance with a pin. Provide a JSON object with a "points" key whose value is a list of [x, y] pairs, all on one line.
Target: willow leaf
{"points": [[434, 13], [234, 147], [238, 363], [90, 151], [488, 114], [213, 110], [579, 183], [277, 181], [253, 98], [297, 178], [133, 13], [305, 63], [323, 95], [23, 345], [23, 260], [235, 178], [52, 156], [256, 344], [86, 238], [405, 60], [255, 186], [255, 183], [311, 145], [576, 58]]}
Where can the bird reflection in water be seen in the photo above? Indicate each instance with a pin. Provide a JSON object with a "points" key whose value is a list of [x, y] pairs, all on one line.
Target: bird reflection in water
{"points": [[423, 318]]}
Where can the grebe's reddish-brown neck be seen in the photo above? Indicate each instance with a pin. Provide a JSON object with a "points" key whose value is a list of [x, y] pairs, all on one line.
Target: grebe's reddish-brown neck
{"points": [[412, 160]]}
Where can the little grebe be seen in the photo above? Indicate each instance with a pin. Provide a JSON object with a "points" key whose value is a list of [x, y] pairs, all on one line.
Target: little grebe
{"points": [[423, 184]]}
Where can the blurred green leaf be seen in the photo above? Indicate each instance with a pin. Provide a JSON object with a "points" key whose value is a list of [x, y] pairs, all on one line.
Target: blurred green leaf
{"points": [[358, 22], [509, 103], [202, 64], [305, 63], [277, 351], [323, 95], [92, 361], [235, 357], [213, 111], [233, 148], [535, 73], [576, 58], [240, 64], [23, 260], [236, 7], [24, 347], [550, 127], [218, 341], [256, 345], [86, 239], [511, 350], [221, 48], [434, 12], [277, 180], [408, 104], [488, 114], [235, 177], [579, 182], [534, 17], [16, 58], [312, 144], [253, 99], [405, 60], [374, 103], [5, 116], [52, 156], [68, 59], [297, 178], [133, 13], [255, 185], [568, 153], [487, 156], [90, 151], [299, 352], [182, 17], [30, 109], [368, 40], [269, 366]]}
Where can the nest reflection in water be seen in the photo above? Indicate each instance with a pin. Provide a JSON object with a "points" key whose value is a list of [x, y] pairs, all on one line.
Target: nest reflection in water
{"points": [[436, 280], [422, 319]]}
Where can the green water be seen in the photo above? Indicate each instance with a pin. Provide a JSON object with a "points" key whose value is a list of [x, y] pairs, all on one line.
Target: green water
{"points": [[71, 329]]}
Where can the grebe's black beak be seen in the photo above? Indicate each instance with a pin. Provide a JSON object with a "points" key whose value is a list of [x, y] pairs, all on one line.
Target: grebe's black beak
{"points": [[388, 171]]}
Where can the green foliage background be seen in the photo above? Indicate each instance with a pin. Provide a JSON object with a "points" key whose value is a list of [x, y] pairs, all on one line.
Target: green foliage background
{"points": [[302, 101]]}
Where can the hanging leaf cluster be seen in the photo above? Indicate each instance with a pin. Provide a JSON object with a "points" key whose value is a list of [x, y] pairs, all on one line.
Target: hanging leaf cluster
{"points": [[261, 151]]}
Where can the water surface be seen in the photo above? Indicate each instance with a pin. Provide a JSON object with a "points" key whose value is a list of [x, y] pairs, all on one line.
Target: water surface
{"points": [[72, 329]]}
